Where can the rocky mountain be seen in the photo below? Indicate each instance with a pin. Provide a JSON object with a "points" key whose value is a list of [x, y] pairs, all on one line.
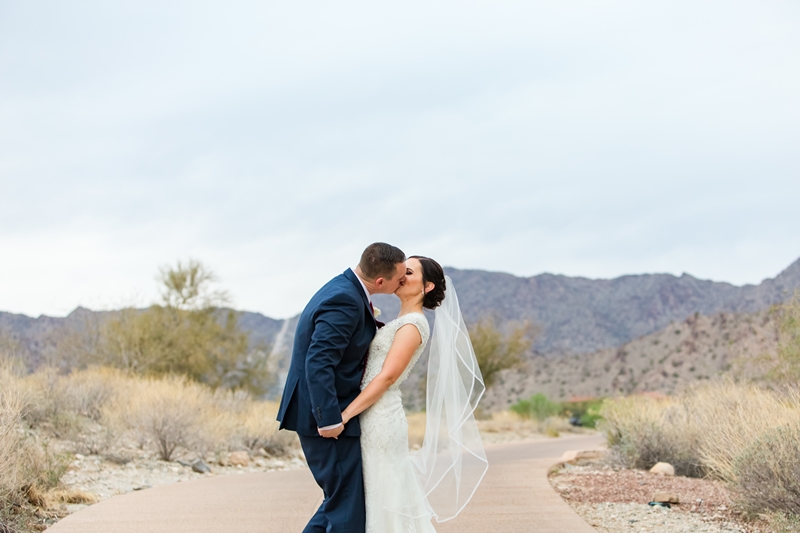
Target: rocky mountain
{"points": [[696, 349], [576, 315], [580, 315]]}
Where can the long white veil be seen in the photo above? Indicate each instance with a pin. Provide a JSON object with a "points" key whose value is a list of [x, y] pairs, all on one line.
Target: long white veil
{"points": [[451, 462]]}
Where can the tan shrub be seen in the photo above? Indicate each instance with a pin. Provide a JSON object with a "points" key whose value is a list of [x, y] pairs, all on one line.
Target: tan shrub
{"points": [[69, 495], [27, 466], [256, 426], [731, 417], [169, 413], [12, 449], [643, 431], [767, 472]]}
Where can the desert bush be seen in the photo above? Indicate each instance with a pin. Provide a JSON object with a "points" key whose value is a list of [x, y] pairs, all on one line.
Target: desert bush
{"points": [[168, 412], [732, 416], [739, 433], [786, 367], [27, 466], [643, 431], [174, 413], [537, 407], [497, 351], [700, 432], [12, 450], [768, 471], [247, 424]]}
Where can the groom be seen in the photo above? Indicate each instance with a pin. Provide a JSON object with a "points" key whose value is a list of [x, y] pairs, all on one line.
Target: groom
{"points": [[330, 346]]}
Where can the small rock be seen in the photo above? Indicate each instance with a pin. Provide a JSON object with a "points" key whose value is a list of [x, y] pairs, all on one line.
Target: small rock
{"points": [[666, 497], [201, 467], [574, 456], [663, 468], [183, 463], [239, 459]]}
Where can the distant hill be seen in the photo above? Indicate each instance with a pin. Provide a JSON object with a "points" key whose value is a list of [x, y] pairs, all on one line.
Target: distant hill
{"points": [[580, 315], [577, 315], [690, 351]]}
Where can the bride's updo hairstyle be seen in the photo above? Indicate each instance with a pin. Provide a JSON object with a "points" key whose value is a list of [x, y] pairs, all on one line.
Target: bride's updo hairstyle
{"points": [[431, 272]]}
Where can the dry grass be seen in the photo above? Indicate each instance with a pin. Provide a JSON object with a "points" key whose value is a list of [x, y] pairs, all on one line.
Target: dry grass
{"points": [[739, 433], [12, 448], [174, 413], [96, 407], [700, 432], [94, 410], [69, 495], [768, 472]]}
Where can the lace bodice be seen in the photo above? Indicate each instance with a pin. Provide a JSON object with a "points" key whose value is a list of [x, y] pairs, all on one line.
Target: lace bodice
{"points": [[393, 495], [379, 348]]}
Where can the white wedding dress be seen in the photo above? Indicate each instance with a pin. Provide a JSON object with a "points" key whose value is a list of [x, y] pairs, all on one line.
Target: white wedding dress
{"points": [[394, 496]]}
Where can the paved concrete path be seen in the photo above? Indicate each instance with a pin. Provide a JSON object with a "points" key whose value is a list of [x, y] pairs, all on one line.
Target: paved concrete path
{"points": [[515, 496]]}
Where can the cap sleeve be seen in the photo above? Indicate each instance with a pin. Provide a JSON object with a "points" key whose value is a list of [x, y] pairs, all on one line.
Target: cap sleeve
{"points": [[421, 323]]}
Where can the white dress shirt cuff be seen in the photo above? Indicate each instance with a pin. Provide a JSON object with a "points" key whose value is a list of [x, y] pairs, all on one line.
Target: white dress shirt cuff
{"points": [[326, 428]]}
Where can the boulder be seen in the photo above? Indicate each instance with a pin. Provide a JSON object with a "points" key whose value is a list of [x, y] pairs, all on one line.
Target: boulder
{"points": [[238, 459], [200, 467], [663, 468], [666, 497]]}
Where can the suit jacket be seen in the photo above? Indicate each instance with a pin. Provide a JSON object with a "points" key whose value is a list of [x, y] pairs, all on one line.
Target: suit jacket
{"points": [[330, 346]]}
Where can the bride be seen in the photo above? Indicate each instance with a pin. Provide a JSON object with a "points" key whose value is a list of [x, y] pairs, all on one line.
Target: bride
{"points": [[404, 490]]}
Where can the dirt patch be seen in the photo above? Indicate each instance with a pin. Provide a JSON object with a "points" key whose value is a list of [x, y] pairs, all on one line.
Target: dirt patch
{"points": [[615, 500]]}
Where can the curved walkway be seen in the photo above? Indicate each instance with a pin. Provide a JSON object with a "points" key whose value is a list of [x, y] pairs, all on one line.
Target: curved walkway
{"points": [[514, 496]]}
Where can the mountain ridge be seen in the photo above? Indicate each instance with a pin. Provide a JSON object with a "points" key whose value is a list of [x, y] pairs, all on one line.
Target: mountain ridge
{"points": [[577, 315]]}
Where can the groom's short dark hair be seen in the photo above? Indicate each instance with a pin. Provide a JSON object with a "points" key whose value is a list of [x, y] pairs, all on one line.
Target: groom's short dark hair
{"points": [[379, 260]]}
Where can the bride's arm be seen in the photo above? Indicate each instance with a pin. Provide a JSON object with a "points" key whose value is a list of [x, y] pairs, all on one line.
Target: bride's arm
{"points": [[406, 341]]}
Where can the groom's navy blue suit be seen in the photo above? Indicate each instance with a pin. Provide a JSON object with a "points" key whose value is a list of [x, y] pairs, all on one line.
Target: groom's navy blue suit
{"points": [[330, 346]]}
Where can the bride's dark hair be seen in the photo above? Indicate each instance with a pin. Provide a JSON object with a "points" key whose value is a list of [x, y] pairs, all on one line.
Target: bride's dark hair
{"points": [[434, 273]]}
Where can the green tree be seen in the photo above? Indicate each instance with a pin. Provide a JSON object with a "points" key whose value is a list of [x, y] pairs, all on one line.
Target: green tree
{"points": [[538, 407], [497, 350], [189, 334]]}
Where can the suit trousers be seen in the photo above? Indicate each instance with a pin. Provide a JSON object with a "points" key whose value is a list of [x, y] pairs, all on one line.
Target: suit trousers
{"points": [[336, 466]]}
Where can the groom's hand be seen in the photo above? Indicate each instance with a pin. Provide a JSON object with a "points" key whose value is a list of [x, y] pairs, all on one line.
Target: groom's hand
{"points": [[331, 433]]}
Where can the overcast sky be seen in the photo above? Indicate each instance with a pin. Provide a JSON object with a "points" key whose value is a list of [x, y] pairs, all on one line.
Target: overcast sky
{"points": [[274, 140]]}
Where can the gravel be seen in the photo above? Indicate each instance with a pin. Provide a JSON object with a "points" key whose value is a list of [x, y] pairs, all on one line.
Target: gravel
{"points": [[616, 500], [618, 517]]}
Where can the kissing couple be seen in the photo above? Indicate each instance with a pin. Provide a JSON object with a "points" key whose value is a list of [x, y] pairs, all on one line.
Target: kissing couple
{"points": [[342, 397]]}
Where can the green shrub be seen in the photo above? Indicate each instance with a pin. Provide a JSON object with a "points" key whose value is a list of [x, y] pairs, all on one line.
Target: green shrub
{"points": [[591, 417], [538, 407], [587, 411]]}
